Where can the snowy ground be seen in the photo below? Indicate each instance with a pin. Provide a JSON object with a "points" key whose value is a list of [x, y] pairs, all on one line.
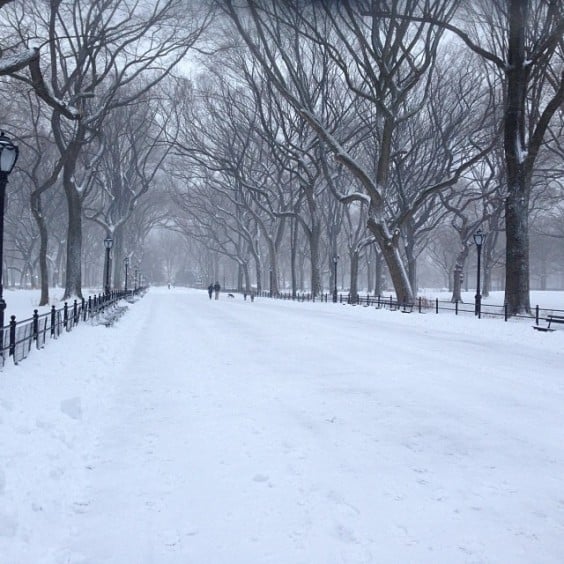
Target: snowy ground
{"points": [[275, 432]]}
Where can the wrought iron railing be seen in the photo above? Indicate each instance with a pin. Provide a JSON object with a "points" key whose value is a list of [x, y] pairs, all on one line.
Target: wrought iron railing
{"points": [[18, 338], [421, 305]]}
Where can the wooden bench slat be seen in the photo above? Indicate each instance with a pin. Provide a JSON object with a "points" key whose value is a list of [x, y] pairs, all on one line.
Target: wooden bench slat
{"points": [[550, 318]]}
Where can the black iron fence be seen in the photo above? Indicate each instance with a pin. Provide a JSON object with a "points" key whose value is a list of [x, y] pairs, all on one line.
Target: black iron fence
{"points": [[19, 337], [421, 305]]}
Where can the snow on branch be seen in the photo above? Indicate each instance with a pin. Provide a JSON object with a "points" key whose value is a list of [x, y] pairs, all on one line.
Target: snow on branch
{"points": [[14, 63], [355, 197]]}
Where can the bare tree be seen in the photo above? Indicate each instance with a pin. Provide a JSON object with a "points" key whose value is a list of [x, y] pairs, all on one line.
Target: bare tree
{"points": [[522, 40], [20, 58], [102, 56], [134, 150]]}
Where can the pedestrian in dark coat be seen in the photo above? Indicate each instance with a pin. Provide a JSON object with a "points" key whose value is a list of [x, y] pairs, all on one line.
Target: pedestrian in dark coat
{"points": [[210, 291], [216, 289]]}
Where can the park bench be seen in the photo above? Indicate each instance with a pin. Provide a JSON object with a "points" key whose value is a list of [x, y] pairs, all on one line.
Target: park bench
{"points": [[550, 318], [111, 315]]}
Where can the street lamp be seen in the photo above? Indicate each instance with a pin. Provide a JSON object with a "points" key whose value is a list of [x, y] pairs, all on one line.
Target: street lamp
{"points": [[108, 243], [8, 157], [126, 264], [479, 237], [135, 279], [335, 261]]}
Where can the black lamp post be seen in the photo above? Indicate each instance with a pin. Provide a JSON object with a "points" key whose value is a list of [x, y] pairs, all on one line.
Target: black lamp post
{"points": [[108, 243], [8, 157], [135, 279], [335, 261], [126, 264], [479, 240]]}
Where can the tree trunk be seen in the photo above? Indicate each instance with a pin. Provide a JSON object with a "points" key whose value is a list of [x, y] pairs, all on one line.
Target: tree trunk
{"points": [[518, 181], [117, 255], [242, 278], [314, 259], [517, 253], [410, 256], [389, 248], [73, 279], [43, 247], [273, 282], [369, 281], [354, 258], [487, 279], [378, 273], [258, 274], [246, 277], [457, 278], [293, 255], [458, 274]]}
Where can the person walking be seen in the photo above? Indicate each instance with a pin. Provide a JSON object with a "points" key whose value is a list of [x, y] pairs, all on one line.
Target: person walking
{"points": [[216, 289], [210, 291]]}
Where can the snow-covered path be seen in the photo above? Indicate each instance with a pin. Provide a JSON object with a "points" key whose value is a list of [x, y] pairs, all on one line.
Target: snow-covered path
{"points": [[230, 432]]}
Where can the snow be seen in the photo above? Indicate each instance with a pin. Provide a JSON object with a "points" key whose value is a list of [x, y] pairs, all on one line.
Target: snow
{"points": [[198, 431], [15, 62]]}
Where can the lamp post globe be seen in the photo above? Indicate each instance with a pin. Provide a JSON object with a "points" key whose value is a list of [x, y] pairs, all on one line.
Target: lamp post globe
{"points": [[479, 237], [108, 243], [8, 157]]}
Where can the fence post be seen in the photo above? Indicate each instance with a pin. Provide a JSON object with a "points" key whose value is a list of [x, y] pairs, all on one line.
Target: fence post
{"points": [[35, 324], [53, 320], [419, 303], [75, 312], [12, 335], [455, 307], [536, 315], [83, 309], [66, 315], [436, 305], [505, 312]]}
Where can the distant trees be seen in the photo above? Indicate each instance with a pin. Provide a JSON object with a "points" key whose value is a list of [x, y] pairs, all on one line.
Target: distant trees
{"points": [[386, 65], [101, 56], [378, 132], [522, 41]]}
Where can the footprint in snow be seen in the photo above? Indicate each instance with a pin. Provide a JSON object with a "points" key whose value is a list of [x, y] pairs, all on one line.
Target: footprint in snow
{"points": [[8, 525], [72, 407]]}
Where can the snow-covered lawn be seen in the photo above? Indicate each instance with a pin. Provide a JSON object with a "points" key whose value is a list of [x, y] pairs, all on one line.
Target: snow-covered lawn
{"points": [[275, 432]]}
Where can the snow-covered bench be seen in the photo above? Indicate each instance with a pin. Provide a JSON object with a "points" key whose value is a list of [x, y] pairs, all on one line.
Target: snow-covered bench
{"points": [[550, 318], [111, 315]]}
